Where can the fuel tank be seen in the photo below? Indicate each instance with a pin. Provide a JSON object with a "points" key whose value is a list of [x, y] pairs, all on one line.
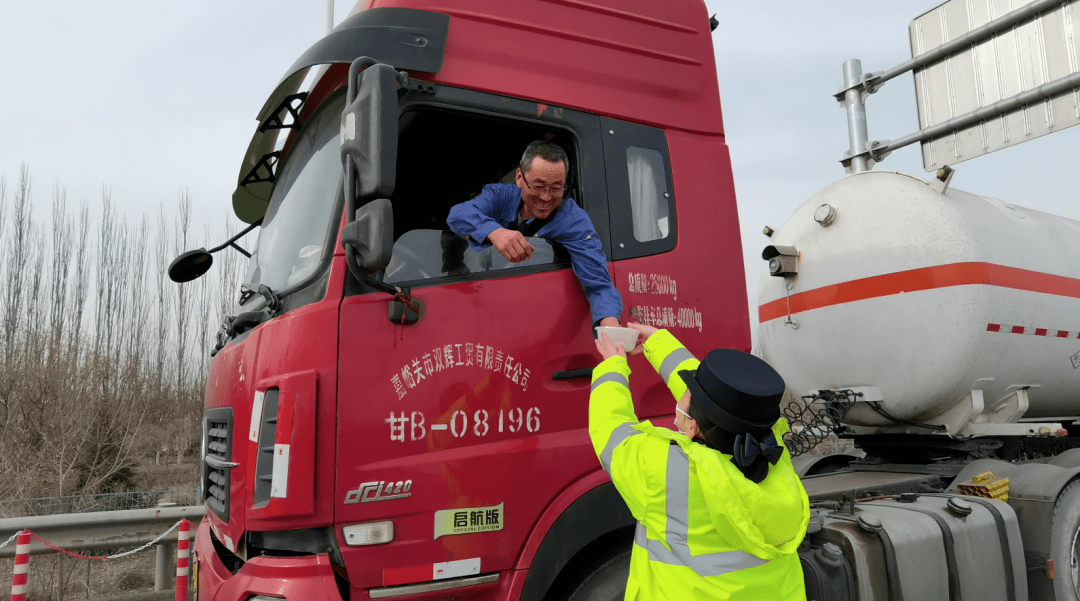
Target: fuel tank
{"points": [[944, 306]]}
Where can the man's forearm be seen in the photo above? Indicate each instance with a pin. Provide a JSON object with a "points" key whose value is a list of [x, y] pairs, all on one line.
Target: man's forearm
{"points": [[471, 224]]}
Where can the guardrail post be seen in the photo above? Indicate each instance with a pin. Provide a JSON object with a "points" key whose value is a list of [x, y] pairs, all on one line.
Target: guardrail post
{"points": [[182, 560], [22, 566], [163, 566]]}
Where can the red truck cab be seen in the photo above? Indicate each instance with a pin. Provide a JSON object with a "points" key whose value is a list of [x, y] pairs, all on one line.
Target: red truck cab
{"points": [[356, 449]]}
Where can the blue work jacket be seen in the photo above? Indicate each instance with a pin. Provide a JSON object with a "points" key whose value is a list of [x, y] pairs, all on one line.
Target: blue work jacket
{"points": [[498, 205]]}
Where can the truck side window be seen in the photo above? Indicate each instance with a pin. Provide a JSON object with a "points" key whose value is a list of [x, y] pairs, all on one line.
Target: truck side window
{"points": [[427, 254], [446, 156], [641, 194], [648, 185]]}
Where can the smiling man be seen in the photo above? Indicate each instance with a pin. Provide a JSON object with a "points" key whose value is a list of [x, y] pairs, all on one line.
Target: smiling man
{"points": [[504, 215]]}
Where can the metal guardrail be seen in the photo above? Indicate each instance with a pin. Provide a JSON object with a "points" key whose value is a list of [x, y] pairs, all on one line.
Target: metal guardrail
{"points": [[141, 499], [98, 530]]}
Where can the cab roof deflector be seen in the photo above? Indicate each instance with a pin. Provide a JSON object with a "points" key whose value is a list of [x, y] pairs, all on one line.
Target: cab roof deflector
{"points": [[408, 39]]}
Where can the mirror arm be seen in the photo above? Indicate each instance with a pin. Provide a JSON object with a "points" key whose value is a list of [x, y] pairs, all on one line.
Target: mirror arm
{"points": [[232, 241], [403, 300], [354, 269], [240, 250]]}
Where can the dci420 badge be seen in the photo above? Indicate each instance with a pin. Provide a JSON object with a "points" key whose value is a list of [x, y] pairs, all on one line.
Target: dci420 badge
{"points": [[469, 520]]}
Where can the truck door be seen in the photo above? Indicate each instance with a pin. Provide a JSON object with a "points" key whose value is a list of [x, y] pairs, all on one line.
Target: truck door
{"points": [[452, 427]]}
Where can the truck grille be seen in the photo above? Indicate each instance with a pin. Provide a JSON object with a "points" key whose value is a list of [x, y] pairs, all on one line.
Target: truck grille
{"points": [[217, 424]]}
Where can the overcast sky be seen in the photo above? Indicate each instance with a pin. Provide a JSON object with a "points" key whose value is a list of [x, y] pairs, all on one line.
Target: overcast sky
{"points": [[147, 97]]}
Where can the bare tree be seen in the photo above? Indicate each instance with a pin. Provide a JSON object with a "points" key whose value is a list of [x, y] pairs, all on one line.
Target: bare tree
{"points": [[18, 249], [33, 311], [17, 252], [86, 394], [204, 311], [83, 256], [137, 304], [164, 298], [62, 232], [228, 276], [182, 296]]}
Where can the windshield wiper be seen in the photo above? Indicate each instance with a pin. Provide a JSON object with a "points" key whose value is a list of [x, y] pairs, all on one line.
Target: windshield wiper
{"points": [[232, 327], [273, 299]]}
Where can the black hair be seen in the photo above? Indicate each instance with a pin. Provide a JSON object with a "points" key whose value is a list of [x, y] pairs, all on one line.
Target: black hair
{"points": [[724, 441], [548, 151]]}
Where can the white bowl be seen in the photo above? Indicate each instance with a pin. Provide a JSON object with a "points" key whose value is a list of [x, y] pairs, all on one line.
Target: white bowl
{"points": [[625, 336]]}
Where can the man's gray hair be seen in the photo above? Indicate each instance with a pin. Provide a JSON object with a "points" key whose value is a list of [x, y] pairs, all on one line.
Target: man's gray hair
{"points": [[545, 150]]}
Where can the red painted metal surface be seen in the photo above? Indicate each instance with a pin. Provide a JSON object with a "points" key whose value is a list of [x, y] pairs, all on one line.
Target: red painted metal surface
{"points": [[307, 578], [297, 354], [562, 52]]}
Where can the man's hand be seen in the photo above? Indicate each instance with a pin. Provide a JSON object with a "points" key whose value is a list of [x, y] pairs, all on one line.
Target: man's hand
{"points": [[645, 332], [608, 350], [610, 322], [511, 245]]}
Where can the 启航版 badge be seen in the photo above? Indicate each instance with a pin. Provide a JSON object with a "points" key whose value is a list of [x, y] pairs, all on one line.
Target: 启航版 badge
{"points": [[469, 520]]}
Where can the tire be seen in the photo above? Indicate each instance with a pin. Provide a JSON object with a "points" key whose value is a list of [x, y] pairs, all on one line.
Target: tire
{"points": [[607, 581], [1065, 544]]}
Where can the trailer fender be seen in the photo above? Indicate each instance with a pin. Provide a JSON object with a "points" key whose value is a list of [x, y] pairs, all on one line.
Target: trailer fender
{"points": [[596, 512], [1070, 458], [808, 465], [1034, 491]]}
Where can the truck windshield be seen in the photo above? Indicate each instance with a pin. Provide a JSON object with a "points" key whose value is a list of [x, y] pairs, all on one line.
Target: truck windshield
{"points": [[296, 226]]}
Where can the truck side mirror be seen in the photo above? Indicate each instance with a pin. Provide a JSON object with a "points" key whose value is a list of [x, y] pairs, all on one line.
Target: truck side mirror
{"points": [[369, 131], [194, 263], [190, 265], [783, 260], [371, 235]]}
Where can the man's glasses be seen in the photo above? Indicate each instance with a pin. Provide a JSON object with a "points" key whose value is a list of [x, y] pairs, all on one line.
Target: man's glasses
{"points": [[554, 191]]}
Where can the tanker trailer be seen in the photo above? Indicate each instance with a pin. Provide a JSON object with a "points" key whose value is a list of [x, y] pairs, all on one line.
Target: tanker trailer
{"points": [[938, 330], [948, 311]]}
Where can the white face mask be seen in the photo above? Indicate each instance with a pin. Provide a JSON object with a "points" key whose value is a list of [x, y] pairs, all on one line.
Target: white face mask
{"points": [[677, 420]]}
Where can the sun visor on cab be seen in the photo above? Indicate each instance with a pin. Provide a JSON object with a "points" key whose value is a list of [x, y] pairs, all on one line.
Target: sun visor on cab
{"points": [[408, 39]]}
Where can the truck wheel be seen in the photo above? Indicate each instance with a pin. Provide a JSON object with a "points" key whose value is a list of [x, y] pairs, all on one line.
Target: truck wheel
{"points": [[1065, 544], [607, 582]]}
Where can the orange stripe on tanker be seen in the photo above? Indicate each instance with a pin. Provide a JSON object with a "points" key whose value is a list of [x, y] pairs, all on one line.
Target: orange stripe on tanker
{"points": [[926, 278]]}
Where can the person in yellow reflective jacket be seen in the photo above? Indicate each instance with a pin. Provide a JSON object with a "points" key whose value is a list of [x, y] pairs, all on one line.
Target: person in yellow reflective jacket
{"points": [[720, 510]]}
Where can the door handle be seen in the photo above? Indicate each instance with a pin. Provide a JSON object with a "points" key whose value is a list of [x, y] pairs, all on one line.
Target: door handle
{"points": [[570, 374]]}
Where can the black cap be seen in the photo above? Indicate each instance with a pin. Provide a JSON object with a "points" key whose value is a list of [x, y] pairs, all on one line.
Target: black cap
{"points": [[736, 391]]}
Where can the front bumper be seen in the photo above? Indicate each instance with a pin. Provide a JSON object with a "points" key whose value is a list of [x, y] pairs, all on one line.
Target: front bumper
{"points": [[307, 578]]}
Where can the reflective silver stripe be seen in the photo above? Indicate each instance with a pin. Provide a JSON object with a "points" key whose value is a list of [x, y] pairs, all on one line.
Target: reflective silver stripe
{"points": [[678, 512], [617, 436], [672, 361], [611, 377], [709, 564], [678, 497]]}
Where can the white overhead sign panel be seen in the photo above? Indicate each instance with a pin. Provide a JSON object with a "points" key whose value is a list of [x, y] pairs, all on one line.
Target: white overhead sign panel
{"points": [[1035, 52]]}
